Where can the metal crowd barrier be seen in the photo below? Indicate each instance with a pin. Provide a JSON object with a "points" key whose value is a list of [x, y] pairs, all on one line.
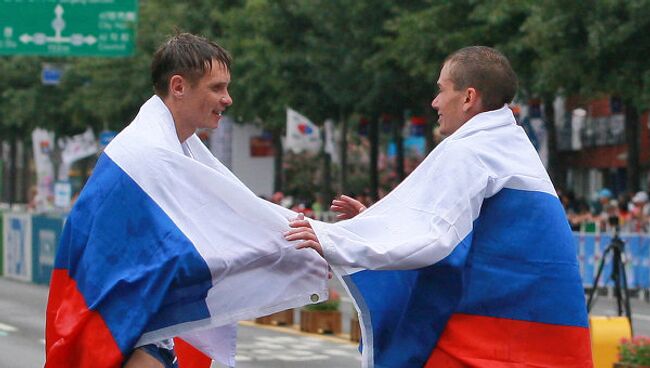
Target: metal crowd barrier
{"points": [[590, 248], [28, 245]]}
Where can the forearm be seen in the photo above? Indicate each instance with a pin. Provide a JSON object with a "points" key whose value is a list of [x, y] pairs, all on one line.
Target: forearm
{"points": [[386, 249]]}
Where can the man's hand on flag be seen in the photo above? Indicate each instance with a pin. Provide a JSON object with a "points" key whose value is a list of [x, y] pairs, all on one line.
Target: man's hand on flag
{"points": [[347, 207], [302, 231]]}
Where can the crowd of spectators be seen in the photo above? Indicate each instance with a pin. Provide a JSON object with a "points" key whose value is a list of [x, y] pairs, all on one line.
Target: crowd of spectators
{"points": [[314, 207], [627, 212]]}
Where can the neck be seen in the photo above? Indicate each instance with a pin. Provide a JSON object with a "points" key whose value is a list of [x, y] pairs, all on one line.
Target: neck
{"points": [[183, 130], [182, 134]]}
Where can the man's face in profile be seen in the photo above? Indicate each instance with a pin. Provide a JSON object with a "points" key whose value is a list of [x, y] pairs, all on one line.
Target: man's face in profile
{"points": [[449, 103], [208, 98]]}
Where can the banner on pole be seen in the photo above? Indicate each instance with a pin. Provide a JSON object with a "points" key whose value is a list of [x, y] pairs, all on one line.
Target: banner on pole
{"points": [[302, 134]]}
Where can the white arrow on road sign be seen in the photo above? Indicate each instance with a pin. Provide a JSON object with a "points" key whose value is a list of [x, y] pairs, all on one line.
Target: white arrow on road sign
{"points": [[58, 24]]}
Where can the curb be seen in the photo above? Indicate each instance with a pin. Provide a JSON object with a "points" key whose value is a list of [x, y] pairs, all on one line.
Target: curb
{"points": [[295, 330]]}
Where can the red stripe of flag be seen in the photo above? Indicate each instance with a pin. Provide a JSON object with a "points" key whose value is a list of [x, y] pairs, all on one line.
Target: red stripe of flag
{"points": [[189, 356], [478, 341], [74, 335]]}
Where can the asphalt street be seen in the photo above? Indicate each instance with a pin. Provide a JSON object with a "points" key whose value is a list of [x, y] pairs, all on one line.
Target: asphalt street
{"points": [[22, 334], [22, 326]]}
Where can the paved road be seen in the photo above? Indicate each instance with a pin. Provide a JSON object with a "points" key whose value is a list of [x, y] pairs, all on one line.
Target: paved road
{"points": [[22, 325]]}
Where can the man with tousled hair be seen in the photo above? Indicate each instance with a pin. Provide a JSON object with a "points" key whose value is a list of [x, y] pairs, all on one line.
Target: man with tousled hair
{"points": [[190, 76], [149, 253]]}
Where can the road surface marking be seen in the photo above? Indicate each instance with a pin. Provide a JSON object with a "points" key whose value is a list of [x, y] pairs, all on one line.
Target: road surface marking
{"points": [[7, 328]]}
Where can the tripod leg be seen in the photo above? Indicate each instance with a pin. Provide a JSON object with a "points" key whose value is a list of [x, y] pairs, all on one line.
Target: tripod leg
{"points": [[595, 283], [626, 300], [616, 277]]}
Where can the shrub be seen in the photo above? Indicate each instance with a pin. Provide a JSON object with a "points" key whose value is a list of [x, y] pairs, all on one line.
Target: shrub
{"points": [[635, 351]]}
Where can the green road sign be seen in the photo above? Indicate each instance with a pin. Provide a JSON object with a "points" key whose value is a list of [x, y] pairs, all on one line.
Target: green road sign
{"points": [[68, 27]]}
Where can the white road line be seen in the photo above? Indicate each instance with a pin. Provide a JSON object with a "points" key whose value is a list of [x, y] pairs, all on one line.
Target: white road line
{"points": [[642, 317], [637, 316], [7, 328]]}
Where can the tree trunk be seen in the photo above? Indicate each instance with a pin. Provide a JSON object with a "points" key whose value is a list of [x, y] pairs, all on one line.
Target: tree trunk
{"points": [[344, 151], [84, 164], [26, 179], [13, 172], [3, 174], [429, 116], [555, 171], [277, 160], [326, 189], [398, 127], [373, 135], [56, 159], [632, 140]]}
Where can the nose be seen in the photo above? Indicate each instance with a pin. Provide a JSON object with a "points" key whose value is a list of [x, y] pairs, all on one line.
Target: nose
{"points": [[226, 100], [434, 103]]}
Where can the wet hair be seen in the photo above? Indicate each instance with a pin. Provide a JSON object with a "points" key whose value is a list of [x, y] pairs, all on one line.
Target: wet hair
{"points": [[187, 55], [486, 70]]}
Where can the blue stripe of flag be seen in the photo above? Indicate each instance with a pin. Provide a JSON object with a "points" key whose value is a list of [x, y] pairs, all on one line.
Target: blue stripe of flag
{"points": [[410, 309], [129, 260], [523, 250]]}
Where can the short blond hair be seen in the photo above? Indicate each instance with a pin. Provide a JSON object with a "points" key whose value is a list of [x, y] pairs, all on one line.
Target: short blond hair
{"points": [[485, 69]]}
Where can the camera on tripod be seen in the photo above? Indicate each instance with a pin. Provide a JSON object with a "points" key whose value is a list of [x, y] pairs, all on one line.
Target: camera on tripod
{"points": [[616, 248], [614, 223]]}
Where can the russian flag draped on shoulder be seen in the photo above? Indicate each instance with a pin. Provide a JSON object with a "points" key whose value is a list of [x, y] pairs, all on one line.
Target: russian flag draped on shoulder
{"points": [[164, 241], [468, 262]]}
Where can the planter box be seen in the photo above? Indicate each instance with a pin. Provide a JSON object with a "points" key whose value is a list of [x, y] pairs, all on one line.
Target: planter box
{"points": [[355, 330], [283, 318], [320, 321]]}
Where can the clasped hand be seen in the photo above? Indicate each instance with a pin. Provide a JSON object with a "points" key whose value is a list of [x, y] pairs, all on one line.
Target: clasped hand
{"points": [[347, 208]]}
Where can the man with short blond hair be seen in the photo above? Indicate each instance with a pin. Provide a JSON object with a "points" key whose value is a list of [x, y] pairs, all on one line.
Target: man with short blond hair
{"points": [[470, 261]]}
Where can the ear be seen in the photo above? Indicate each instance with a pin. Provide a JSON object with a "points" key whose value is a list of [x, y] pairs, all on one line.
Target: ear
{"points": [[472, 100], [177, 86]]}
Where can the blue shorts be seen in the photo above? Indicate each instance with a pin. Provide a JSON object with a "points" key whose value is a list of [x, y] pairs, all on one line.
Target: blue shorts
{"points": [[166, 356]]}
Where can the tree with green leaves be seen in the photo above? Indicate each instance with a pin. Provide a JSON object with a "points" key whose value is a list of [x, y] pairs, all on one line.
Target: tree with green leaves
{"points": [[269, 73], [551, 54], [618, 47], [26, 104]]}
